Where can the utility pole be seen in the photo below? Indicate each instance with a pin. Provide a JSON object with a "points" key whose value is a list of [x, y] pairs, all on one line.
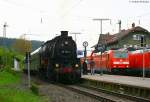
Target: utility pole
{"points": [[101, 22], [119, 23], [27, 42], [4, 36], [75, 33], [4, 29], [143, 46]]}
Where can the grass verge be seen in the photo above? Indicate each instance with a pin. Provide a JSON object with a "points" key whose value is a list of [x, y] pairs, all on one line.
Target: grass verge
{"points": [[9, 91], [14, 95], [7, 78]]}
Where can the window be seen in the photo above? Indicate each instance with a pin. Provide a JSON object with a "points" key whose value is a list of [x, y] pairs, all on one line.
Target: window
{"points": [[120, 54], [125, 46], [134, 37], [137, 36]]}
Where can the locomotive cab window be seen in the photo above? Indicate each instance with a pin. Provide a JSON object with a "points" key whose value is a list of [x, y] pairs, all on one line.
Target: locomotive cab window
{"points": [[120, 54]]}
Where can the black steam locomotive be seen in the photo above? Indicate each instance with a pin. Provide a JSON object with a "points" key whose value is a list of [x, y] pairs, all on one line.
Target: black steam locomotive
{"points": [[57, 59]]}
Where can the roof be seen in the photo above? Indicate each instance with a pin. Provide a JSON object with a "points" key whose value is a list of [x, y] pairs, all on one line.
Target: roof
{"points": [[109, 39]]}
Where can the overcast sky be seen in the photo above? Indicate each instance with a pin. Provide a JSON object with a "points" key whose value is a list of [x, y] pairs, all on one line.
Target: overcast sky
{"points": [[46, 18]]}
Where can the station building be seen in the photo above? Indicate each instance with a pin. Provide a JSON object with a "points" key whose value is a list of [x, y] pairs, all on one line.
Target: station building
{"points": [[135, 37]]}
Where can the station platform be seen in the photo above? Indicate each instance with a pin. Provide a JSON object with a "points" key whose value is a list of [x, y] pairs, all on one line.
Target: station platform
{"points": [[135, 86], [118, 79]]}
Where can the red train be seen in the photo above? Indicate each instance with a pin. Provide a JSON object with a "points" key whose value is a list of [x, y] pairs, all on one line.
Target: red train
{"points": [[111, 61], [122, 62], [139, 61]]}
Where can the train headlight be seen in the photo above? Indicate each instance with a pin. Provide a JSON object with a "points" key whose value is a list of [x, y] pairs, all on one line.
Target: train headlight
{"points": [[66, 42], [116, 62], [57, 65], [62, 51], [76, 65], [125, 62]]}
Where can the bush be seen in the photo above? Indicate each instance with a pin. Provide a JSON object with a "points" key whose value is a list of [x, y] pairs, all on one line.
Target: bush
{"points": [[7, 58], [9, 70]]}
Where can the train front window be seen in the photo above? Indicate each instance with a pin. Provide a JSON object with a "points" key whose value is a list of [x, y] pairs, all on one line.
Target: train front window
{"points": [[120, 54]]}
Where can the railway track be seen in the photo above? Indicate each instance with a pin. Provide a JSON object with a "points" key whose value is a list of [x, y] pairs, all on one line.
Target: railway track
{"points": [[99, 94], [120, 95], [103, 95], [85, 91]]}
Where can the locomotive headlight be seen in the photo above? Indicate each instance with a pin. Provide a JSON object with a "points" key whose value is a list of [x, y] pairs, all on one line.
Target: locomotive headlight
{"points": [[116, 63], [62, 51], [76, 65], [125, 62], [66, 42], [57, 65]]}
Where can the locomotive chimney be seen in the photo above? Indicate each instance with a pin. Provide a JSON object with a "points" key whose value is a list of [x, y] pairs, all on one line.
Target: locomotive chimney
{"points": [[64, 33], [133, 25]]}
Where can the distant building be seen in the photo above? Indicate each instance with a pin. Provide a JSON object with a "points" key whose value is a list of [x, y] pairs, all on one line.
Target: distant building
{"points": [[136, 37], [16, 64]]}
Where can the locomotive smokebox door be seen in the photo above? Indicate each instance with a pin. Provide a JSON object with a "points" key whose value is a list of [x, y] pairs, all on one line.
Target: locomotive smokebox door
{"points": [[64, 33]]}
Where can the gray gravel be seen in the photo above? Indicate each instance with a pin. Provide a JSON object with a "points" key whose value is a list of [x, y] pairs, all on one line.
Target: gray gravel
{"points": [[59, 94], [55, 93]]}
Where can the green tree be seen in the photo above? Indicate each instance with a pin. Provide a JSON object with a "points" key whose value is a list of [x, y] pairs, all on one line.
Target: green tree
{"points": [[22, 46]]}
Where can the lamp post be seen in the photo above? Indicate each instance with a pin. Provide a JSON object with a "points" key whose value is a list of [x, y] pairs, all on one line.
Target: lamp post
{"points": [[142, 45]]}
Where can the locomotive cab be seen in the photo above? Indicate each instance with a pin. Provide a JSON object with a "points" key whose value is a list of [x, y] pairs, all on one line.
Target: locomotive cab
{"points": [[120, 61]]}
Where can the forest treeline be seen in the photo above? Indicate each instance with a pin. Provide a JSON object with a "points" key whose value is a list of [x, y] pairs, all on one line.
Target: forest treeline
{"points": [[15, 48], [24, 44]]}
